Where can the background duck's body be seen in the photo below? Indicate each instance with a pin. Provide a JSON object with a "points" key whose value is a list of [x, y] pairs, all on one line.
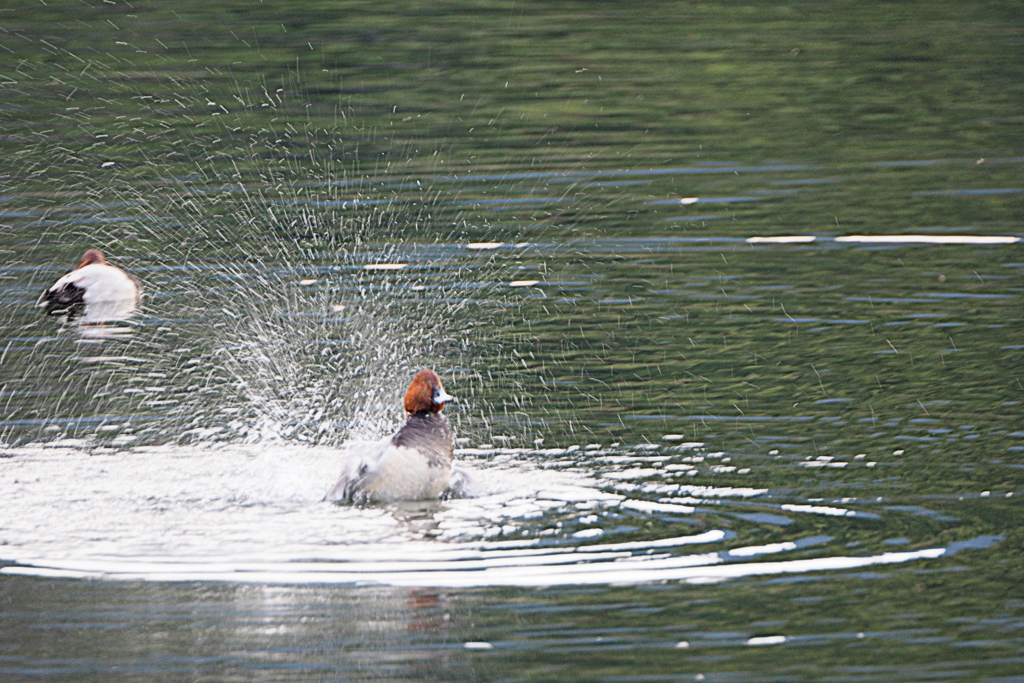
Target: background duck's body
{"points": [[100, 288]]}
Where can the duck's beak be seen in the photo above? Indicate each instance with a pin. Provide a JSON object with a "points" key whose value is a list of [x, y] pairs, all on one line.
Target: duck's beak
{"points": [[441, 397]]}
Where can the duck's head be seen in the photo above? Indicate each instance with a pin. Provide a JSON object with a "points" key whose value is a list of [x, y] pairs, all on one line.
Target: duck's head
{"points": [[92, 256], [425, 393]]}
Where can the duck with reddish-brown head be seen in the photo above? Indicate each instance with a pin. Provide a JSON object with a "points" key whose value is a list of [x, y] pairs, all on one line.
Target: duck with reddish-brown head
{"points": [[415, 463], [105, 292]]}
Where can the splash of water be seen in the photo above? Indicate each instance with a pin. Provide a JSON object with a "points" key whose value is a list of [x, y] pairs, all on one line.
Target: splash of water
{"points": [[292, 290]]}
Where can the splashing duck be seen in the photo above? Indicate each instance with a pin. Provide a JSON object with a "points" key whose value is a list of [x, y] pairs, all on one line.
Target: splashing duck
{"points": [[415, 463], [105, 291]]}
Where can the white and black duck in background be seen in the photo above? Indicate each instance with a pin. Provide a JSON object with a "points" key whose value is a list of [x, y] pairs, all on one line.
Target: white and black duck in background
{"points": [[95, 291]]}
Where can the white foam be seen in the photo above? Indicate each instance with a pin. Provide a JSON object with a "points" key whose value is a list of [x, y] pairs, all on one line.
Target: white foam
{"points": [[766, 640], [647, 506], [635, 473], [720, 492], [820, 510], [928, 239], [782, 239], [705, 568], [753, 550], [589, 533]]}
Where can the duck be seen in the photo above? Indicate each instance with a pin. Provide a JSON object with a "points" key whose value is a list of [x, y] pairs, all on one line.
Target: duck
{"points": [[105, 291], [415, 463]]}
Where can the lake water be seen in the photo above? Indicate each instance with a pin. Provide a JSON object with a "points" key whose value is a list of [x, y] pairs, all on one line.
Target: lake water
{"points": [[730, 296]]}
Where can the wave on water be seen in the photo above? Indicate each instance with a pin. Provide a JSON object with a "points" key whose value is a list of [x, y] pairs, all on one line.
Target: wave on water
{"points": [[254, 513]]}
